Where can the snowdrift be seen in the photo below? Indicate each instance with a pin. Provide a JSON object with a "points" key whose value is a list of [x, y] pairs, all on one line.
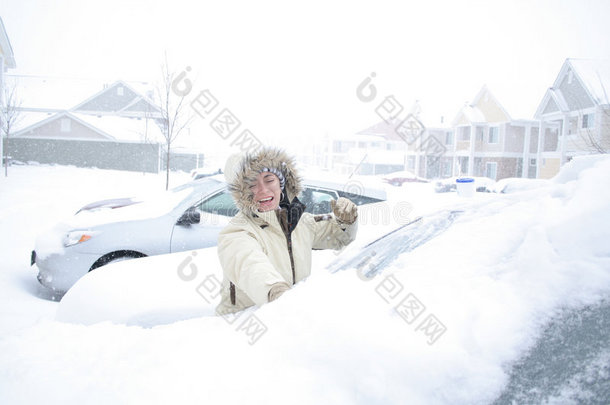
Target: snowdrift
{"points": [[440, 325]]}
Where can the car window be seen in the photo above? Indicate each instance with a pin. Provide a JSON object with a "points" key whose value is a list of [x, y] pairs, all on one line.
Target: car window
{"points": [[317, 200], [219, 204]]}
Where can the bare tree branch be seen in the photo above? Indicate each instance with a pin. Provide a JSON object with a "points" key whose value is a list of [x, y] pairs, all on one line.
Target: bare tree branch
{"points": [[10, 115], [173, 119]]}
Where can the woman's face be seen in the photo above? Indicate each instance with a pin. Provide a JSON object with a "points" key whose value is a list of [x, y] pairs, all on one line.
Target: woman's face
{"points": [[266, 191]]}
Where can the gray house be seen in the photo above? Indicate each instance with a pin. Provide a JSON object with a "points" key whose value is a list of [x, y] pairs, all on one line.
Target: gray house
{"points": [[574, 114], [115, 128]]}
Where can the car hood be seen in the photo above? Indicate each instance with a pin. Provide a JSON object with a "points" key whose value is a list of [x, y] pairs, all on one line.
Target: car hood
{"points": [[126, 209], [112, 203]]}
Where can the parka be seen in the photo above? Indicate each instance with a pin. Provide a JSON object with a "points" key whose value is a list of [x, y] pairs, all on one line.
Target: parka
{"points": [[258, 249]]}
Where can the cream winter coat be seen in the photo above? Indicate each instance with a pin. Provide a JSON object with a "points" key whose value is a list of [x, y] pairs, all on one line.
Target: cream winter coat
{"points": [[256, 250]]}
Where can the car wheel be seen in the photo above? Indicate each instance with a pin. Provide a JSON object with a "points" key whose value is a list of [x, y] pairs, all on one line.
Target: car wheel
{"points": [[116, 257]]}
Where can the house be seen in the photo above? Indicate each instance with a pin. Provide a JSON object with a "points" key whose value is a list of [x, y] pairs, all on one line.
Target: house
{"points": [[574, 115], [393, 144], [7, 61], [118, 127], [490, 143]]}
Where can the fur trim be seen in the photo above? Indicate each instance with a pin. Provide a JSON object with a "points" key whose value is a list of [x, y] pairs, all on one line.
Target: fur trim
{"points": [[249, 168]]}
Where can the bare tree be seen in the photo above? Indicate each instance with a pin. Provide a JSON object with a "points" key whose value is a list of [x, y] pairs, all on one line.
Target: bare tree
{"points": [[174, 115], [10, 115]]}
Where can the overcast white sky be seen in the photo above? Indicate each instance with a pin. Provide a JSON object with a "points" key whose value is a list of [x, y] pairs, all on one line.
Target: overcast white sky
{"points": [[291, 71]]}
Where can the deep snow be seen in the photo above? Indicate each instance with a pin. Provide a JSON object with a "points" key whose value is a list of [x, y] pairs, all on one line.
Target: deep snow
{"points": [[489, 284]]}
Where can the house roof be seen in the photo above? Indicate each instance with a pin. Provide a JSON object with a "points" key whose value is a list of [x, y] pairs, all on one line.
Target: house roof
{"points": [[24, 131], [592, 74], [6, 49], [52, 94], [474, 114], [384, 129], [120, 129], [56, 94], [595, 76], [105, 101], [124, 129], [388, 129]]}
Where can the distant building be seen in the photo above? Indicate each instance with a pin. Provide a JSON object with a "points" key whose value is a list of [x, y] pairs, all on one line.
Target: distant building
{"points": [[7, 58], [7, 61], [483, 140], [394, 144], [574, 115], [117, 127], [489, 143]]}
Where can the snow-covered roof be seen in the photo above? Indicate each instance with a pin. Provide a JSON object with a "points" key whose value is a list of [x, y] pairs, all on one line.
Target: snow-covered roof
{"points": [[27, 119], [124, 129], [472, 114], [39, 93], [55, 94], [119, 129], [595, 75], [131, 101]]}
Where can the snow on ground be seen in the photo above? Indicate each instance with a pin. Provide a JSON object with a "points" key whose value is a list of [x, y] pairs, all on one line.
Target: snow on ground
{"points": [[441, 325], [32, 200]]}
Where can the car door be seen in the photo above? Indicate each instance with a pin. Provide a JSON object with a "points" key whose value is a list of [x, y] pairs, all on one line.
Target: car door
{"points": [[214, 213]]}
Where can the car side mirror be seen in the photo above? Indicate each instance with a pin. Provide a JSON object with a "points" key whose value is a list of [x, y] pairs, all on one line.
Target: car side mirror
{"points": [[190, 217]]}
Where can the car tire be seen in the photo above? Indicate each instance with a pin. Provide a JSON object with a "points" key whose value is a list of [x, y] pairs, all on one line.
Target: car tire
{"points": [[116, 257]]}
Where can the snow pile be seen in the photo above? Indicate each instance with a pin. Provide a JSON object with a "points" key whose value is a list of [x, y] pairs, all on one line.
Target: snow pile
{"points": [[440, 325]]}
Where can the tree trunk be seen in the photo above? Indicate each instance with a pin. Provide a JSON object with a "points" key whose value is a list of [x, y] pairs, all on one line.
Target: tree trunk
{"points": [[5, 159], [167, 169]]}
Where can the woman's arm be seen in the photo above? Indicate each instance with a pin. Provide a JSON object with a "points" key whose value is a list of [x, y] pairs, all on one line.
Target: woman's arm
{"points": [[245, 264]]}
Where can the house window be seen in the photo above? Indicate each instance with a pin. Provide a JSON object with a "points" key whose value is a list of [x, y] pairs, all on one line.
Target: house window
{"points": [[493, 134], [119, 91], [411, 162], [65, 124], [449, 138], [533, 162], [588, 120], [464, 134], [491, 169], [480, 134]]}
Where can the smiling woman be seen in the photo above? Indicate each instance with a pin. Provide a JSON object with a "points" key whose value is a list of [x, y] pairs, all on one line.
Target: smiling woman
{"points": [[266, 248], [267, 191]]}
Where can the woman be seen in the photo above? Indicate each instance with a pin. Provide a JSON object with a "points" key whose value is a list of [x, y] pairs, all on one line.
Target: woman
{"points": [[266, 248]]}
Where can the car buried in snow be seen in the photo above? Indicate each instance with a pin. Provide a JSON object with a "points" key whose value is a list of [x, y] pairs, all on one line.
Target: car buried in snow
{"points": [[188, 217]]}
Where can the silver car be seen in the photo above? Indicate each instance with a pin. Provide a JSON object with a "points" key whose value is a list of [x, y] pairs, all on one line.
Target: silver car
{"points": [[188, 217]]}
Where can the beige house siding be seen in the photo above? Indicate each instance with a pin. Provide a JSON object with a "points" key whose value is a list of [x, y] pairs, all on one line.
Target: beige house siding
{"points": [[463, 145], [462, 120], [491, 110], [549, 168]]}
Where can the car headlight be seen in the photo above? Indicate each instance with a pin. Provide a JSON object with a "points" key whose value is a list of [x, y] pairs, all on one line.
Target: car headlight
{"points": [[76, 237]]}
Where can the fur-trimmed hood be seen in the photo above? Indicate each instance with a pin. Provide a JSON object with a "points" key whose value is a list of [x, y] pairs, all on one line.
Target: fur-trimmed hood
{"points": [[241, 172]]}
